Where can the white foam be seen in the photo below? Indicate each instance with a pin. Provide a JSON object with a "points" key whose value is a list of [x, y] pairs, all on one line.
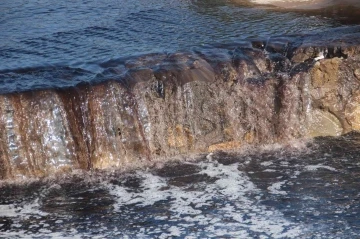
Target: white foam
{"points": [[233, 200], [316, 167], [275, 188], [8, 210], [266, 163], [269, 170], [45, 234], [240, 217], [24, 211]]}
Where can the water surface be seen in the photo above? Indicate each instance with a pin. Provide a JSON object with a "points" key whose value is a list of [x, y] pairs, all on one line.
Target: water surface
{"points": [[275, 192], [46, 44]]}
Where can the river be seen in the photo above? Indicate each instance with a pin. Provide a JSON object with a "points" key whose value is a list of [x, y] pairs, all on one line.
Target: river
{"points": [[47, 44], [309, 189], [301, 189]]}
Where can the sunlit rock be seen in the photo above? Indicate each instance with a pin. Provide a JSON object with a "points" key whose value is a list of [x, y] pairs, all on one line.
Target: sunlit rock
{"points": [[325, 73], [225, 146], [159, 106], [323, 123], [180, 137], [357, 73]]}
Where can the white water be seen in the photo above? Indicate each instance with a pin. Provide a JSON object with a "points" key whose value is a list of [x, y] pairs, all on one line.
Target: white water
{"points": [[275, 193], [236, 219], [239, 217]]}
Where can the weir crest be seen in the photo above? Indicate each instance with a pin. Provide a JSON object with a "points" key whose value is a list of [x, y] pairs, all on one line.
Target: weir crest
{"points": [[162, 105]]}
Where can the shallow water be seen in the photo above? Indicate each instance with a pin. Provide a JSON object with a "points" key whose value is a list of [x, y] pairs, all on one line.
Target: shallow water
{"points": [[277, 192], [46, 44]]}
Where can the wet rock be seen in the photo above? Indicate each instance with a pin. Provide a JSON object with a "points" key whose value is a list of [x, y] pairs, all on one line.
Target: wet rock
{"points": [[165, 105], [322, 123], [352, 112], [304, 54], [325, 73], [225, 145], [291, 104], [357, 73], [36, 134], [180, 137]]}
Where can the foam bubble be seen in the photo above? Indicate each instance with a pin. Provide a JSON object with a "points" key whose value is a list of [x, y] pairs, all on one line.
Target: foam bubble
{"points": [[230, 196], [275, 188], [319, 166], [24, 211]]}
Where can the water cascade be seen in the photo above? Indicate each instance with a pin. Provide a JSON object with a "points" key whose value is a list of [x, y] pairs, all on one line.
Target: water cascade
{"points": [[161, 105]]}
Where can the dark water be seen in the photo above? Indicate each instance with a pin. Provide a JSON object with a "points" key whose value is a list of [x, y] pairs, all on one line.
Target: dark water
{"points": [[45, 44], [277, 192]]}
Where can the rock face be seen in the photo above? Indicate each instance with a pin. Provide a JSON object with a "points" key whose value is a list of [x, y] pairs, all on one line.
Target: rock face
{"points": [[164, 105]]}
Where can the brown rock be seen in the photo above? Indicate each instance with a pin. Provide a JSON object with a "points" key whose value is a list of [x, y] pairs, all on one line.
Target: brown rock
{"points": [[323, 123], [357, 73], [325, 73], [249, 137], [352, 111], [183, 104], [180, 137], [303, 54], [224, 146]]}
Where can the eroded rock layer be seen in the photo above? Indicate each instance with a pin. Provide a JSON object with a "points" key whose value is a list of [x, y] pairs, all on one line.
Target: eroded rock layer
{"points": [[159, 106]]}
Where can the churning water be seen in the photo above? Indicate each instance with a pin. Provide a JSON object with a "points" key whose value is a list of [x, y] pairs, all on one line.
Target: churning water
{"points": [[312, 192], [277, 192]]}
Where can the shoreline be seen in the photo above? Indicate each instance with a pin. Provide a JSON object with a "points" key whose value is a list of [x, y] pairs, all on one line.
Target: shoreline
{"points": [[307, 4], [346, 12]]}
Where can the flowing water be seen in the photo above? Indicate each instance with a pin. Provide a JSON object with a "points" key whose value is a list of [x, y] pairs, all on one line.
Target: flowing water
{"points": [[46, 44], [274, 192]]}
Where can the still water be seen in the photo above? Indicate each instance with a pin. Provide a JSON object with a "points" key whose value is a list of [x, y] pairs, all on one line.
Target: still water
{"points": [[308, 190], [46, 44]]}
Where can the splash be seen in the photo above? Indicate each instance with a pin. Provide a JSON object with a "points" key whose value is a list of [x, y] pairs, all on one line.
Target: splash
{"points": [[185, 103], [276, 193]]}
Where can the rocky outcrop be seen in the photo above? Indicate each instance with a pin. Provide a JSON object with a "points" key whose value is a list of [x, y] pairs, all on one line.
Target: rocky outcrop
{"points": [[163, 105], [306, 4], [344, 11]]}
